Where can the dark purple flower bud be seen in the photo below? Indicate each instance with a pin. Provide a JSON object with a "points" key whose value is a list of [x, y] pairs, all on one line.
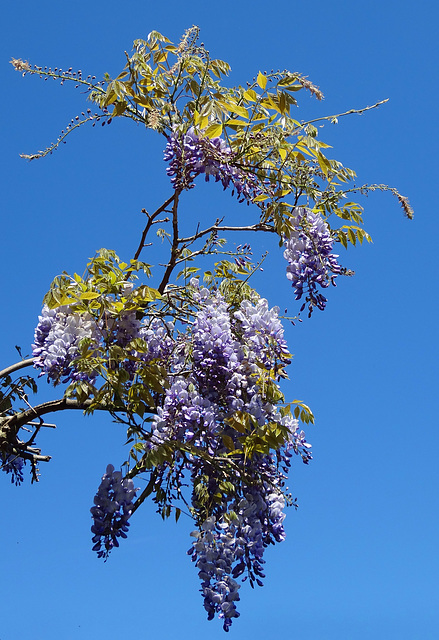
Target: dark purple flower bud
{"points": [[112, 508]]}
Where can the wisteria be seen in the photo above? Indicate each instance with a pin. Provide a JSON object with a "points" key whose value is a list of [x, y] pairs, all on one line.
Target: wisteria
{"points": [[225, 350], [226, 353], [190, 155], [214, 552], [223, 367], [191, 368], [264, 331], [234, 544], [13, 464], [158, 337], [113, 504], [311, 263], [59, 333], [57, 340]]}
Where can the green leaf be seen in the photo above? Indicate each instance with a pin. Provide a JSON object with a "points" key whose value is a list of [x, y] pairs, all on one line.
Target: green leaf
{"points": [[261, 80], [351, 236], [250, 95], [213, 131], [324, 163], [89, 295], [228, 442], [235, 108], [147, 294]]}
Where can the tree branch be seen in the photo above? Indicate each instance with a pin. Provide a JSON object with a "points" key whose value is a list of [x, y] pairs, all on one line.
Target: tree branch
{"points": [[340, 115], [150, 222], [255, 227], [175, 243], [16, 367]]}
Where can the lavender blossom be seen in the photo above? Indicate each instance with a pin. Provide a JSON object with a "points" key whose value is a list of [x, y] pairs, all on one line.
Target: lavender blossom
{"points": [[217, 355], [214, 552], [189, 156], [122, 328], [263, 332], [158, 336], [113, 507], [185, 416], [310, 261], [57, 338], [13, 464], [228, 546]]}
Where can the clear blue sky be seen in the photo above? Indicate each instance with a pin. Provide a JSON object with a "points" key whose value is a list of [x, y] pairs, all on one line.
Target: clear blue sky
{"points": [[361, 557]]}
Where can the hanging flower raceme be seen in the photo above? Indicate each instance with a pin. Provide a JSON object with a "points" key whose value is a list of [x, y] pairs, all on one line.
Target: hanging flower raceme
{"points": [[57, 340], [227, 547], [13, 464], [225, 351], [263, 330], [311, 263], [229, 360], [113, 504], [189, 156], [214, 553]]}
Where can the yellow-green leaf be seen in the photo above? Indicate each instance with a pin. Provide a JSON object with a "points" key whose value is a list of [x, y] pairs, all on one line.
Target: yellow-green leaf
{"points": [[235, 108], [250, 95], [261, 80], [236, 123], [351, 235], [148, 293], [89, 295], [214, 130], [324, 163], [228, 442]]}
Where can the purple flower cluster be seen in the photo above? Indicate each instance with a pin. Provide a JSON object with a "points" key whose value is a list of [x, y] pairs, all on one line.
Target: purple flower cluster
{"points": [[311, 263], [263, 330], [214, 553], [157, 334], [226, 352], [229, 546], [189, 156], [185, 416], [56, 342], [122, 329], [112, 508], [224, 368], [60, 331], [219, 372], [13, 464], [217, 355]]}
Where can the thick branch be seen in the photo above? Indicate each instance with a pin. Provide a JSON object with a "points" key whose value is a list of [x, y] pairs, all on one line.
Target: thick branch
{"points": [[18, 420], [16, 367]]}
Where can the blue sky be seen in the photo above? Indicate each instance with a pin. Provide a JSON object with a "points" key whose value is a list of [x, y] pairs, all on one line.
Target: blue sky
{"points": [[361, 557]]}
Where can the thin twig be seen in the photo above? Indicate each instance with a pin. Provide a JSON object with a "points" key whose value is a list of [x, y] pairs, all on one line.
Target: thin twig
{"points": [[151, 218], [175, 243], [260, 226], [340, 115]]}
